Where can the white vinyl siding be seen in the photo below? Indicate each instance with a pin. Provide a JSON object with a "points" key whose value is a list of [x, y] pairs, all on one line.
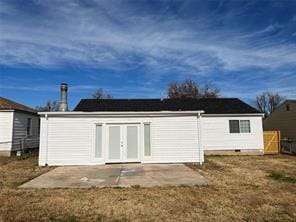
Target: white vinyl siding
{"points": [[98, 146], [216, 134], [62, 142], [21, 128], [174, 139], [71, 140], [6, 123], [14, 127]]}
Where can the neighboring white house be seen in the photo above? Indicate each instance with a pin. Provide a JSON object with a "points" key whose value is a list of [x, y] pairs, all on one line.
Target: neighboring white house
{"points": [[19, 127], [148, 131]]}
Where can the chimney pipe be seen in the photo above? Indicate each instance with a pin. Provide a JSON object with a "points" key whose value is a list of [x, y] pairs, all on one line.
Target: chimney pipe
{"points": [[63, 105]]}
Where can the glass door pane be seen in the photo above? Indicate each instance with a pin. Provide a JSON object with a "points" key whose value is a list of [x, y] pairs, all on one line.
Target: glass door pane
{"points": [[114, 143], [132, 142]]}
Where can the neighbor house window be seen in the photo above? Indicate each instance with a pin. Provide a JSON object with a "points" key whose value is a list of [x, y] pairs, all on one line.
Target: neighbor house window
{"points": [[288, 107], [98, 145], [39, 124], [29, 127], [147, 140], [239, 126]]}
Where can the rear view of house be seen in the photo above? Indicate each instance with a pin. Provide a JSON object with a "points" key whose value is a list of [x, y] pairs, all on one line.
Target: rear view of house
{"points": [[19, 127], [148, 131]]}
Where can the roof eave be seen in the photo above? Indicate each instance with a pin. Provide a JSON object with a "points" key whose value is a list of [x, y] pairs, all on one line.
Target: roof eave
{"points": [[129, 113], [6, 110], [235, 114], [150, 113]]}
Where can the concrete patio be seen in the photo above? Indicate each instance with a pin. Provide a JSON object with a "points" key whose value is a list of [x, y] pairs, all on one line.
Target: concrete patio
{"points": [[118, 175]]}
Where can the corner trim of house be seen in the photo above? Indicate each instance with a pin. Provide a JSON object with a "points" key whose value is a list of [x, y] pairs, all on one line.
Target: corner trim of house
{"points": [[199, 138]]}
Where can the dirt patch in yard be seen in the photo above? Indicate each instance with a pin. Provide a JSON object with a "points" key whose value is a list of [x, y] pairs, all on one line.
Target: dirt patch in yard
{"points": [[242, 191]]}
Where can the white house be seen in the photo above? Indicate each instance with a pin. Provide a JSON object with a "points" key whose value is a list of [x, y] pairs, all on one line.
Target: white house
{"points": [[147, 131], [19, 127]]}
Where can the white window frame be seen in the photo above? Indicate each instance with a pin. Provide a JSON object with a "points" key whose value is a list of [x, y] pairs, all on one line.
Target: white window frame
{"points": [[239, 125], [240, 129], [29, 127], [150, 140], [98, 160]]}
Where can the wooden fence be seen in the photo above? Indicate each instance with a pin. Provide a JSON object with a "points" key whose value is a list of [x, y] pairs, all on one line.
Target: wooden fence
{"points": [[272, 142]]}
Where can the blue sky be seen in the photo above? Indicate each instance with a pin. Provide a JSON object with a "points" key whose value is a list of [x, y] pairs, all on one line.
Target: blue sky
{"points": [[133, 49]]}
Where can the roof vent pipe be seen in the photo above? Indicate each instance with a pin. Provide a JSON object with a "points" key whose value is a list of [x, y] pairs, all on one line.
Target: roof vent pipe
{"points": [[63, 104]]}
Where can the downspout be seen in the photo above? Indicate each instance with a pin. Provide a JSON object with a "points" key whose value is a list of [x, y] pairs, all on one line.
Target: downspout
{"points": [[199, 137]]}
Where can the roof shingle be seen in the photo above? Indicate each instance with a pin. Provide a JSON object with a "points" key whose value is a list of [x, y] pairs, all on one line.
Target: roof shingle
{"points": [[6, 104], [210, 106]]}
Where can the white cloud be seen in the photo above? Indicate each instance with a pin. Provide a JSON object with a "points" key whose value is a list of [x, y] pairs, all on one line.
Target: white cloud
{"points": [[124, 36], [116, 36]]}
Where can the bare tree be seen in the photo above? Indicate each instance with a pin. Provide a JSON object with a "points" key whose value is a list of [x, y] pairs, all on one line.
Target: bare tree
{"points": [[209, 91], [49, 106], [100, 94], [190, 89], [267, 102]]}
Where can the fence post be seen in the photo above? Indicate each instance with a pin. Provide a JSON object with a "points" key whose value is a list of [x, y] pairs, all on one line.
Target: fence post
{"points": [[279, 138]]}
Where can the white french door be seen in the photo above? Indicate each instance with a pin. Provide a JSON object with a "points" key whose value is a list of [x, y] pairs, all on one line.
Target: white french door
{"points": [[123, 143]]}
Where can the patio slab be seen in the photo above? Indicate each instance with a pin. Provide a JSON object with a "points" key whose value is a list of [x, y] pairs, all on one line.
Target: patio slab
{"points": [[114, 175]]}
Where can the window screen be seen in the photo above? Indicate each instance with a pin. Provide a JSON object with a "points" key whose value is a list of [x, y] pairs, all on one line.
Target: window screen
{"points": [[234, 126], [147, 145], [245, 126], [98, 148]]}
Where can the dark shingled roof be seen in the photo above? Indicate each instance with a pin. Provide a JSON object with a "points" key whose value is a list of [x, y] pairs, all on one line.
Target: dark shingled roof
{"points": [[210, 106]]}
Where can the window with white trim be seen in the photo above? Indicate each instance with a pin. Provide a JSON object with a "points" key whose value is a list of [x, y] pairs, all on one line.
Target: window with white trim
{"points": [[239, 126], [244, 126], [147, 140]]}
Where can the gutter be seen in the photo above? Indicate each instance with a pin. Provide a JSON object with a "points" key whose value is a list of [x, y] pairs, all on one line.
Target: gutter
{"points": [[19, 110], [140, 113], [234, 114], [6, 110], [133, 113]]}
